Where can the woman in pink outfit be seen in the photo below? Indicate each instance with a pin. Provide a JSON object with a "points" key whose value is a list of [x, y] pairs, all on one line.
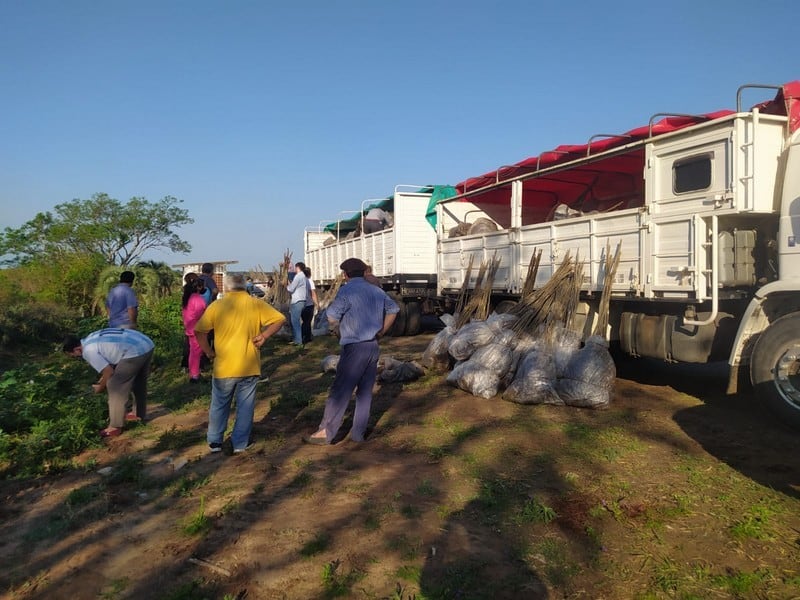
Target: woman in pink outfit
{"points": [[193, 306]]}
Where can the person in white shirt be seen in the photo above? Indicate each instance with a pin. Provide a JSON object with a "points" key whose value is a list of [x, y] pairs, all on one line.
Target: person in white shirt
{"points": [[299, 290]]}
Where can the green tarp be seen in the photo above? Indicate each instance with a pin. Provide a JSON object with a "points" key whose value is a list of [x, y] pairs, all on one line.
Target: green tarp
{"points": [[440, 193]]}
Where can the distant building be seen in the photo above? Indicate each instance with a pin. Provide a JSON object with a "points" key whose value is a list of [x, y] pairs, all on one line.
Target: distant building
{"points": [[220, 270]]}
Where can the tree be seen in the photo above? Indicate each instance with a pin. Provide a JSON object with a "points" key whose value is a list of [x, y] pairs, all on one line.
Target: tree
{"points": [[154, 281], [119, 232]]}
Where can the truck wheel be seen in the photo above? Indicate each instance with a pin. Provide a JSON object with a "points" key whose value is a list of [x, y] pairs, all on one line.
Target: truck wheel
{"points": [[413, 318], [399, 326], [775, 368]]}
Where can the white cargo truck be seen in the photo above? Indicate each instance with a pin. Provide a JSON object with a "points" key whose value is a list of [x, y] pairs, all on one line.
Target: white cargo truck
{"points": [[706, 212], [402, 256]]}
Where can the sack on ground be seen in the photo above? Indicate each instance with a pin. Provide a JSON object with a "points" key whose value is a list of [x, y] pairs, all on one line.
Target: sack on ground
{"points": [[589, 376], [535, 378], [493, 357], [329, 363], [436, 355], [565, 343], [469, 338], [398, 370], [475, 379]]}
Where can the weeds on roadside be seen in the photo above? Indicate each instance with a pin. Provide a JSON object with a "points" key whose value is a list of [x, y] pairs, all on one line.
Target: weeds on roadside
{"points": [[533, 511], [175, 439], [337, 583], [197, 523], [754, 524]]}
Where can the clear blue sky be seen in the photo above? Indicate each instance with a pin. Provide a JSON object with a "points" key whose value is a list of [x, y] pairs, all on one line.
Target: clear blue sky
{"points": [[267, 117]]}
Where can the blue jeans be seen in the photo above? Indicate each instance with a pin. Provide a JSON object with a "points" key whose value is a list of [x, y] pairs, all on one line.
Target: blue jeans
{"points": [[296, 313], [223, 392]]}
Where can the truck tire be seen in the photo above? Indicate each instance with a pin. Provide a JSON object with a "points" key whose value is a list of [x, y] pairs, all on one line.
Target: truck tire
{"points": [[399, 326], [775, 368], [413, 318]]}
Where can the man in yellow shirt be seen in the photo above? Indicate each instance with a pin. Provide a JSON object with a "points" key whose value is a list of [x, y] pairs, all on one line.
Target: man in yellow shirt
{"points": [[241, 325]]}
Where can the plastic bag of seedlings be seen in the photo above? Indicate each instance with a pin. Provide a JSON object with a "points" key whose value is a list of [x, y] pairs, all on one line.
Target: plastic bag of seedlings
{"points": [[475, 379], [506, 337], [320, 325], [501, 322], [469, 338], [447, 319], [589, 377], [525, 342], [493, 357], [436, 355], [329, 363], [565, 343], [398, 370], [534, 382]]}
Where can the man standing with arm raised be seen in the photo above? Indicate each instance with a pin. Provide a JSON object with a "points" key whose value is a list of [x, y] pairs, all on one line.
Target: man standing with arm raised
{"points": [[364, 313]]}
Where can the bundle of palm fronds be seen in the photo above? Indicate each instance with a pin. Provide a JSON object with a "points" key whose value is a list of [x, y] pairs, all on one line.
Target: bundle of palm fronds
{"points": [[479, 303], [554, 303], [611, 265]]}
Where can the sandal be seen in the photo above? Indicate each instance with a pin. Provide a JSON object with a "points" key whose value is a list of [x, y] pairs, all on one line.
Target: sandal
{"points": [[110, 432]]}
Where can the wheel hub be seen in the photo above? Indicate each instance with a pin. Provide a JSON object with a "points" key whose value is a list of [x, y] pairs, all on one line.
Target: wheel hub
{"points": [[787, 375]]}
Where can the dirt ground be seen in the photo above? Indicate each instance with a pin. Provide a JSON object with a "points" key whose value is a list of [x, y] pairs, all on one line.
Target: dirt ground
{"points": [[675, 491]]}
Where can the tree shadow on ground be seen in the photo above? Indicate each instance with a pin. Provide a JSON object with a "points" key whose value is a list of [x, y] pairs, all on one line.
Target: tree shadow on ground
{"points": [[735, 429]]}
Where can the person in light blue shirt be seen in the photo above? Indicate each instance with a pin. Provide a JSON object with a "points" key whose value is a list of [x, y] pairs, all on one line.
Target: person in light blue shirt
{"points": [[364, 313], [122, 357], [122, 304]]}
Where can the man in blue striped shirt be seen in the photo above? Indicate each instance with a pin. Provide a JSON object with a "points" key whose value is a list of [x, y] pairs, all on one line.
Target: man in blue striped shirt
{"points": [[363, 313], [122, 357]]}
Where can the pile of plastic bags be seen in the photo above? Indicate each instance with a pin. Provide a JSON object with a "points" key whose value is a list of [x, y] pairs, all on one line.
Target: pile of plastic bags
{"points": [[489, 358]]}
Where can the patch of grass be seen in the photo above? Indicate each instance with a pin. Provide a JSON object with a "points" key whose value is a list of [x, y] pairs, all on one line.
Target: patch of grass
{"points": [[426, 488], [192, 590], [127, 469], [533, 511], [184, 486], [754, 524], [337, 583], [175, 439], [319, 544], [666, 575], [410, 512], [84, 495], [558, 568], [116, 587], [408, 549], [54, 526], [412, 573], [741, 583], [290, 402], [198, 523]]}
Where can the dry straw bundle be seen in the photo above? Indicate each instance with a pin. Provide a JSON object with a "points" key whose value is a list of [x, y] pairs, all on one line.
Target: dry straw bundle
{"points": [[530, 278], [463, 293], [282, 295], [554, 303], [480, 301], [611, 265]]}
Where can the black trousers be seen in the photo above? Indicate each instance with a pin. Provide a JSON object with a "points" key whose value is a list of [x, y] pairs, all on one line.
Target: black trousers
{"points": [[305, 318]]}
